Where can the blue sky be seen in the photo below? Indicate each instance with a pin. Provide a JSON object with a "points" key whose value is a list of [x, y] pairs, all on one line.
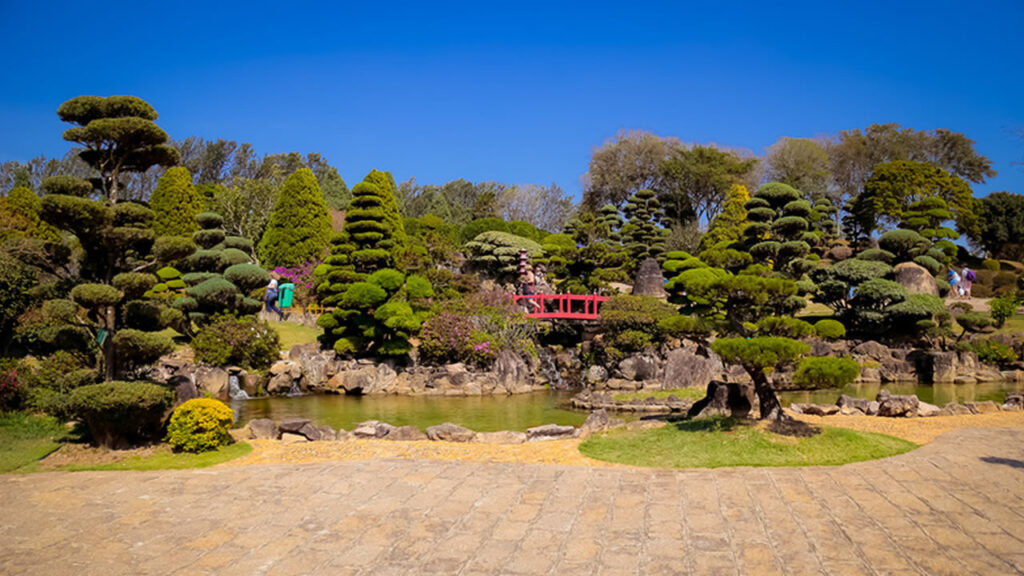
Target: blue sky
{"points": [[520, 92]]}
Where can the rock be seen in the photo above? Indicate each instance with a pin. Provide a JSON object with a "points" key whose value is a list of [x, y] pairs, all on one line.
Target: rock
{"points": [[642, 367], [342, 435], [293, 425], [280, 367], [820, 409], [649, 279], [873, 350], [1014, 399], [406, 434], [725, 399], [686, 369], [212, 381], [512, 374], [314, 364], [449, 432], [898, 405], [839, 253], [264, 429], [596, 374], [372, 429], [916, 279], [851, 411], [986, 407], [502, 437], [327, 433], [943, 367], [363, 379], [551, 432], [281, 383], [289, 438], [860, 404], [184, 389], [892, 370], [925, 409], [954, 409], [596, 421]]}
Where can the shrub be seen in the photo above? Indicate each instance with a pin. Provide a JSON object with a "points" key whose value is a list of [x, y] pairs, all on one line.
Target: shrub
{"points": [[175, 203], [120, 414], [134, 284], [247, 277], [95, 295], [991, 352], [785, 327], [137, 349], [908, 244], [1003, 308], [445, 338], [933, 266], [990, 264], [173, 248], [825, 372], [877, 255], [498, 252], [199, 425], [829, 329], [244, 342], [639, 313]]}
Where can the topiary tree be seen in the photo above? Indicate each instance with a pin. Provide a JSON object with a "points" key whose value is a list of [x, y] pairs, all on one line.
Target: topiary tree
{"points": [[728, 226], [826, 372], [299, 227], [828, 329], [643, 234], [175, 204], [497, 253], [118, 135], [121, 414], [780, 233], [759, 356]]}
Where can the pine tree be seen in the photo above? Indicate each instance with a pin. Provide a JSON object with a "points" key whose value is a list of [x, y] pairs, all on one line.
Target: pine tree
{"points": [[729, 224], [392, 215], [780, 231], [643, 233], [299, 228], [175, 203]]}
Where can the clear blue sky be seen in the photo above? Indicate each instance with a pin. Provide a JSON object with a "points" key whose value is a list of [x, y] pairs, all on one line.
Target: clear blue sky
{"points": [[516, 92]]}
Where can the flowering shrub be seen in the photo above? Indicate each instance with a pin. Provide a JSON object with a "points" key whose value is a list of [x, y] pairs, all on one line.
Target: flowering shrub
{"points": [[445, 338], [200, 424], [483, 349], [474, 330], [991, 352], [10, 391], [302, 277], [245, 342]]}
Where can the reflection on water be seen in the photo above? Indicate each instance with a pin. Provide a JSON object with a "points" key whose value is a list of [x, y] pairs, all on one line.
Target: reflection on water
{"points": [[482, 413], [938, 394]]}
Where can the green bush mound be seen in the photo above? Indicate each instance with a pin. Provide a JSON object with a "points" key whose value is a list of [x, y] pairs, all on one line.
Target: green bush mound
{"points": [[818, 372], [716, 443], [245, 342], [199, 425], [829, 329], [121, 414]]}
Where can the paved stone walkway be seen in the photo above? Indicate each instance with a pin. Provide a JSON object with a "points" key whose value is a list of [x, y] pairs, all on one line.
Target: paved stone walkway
{"points": [[955, 506]]}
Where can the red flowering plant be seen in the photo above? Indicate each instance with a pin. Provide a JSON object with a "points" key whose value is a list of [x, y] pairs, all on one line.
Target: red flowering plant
{"points": [[10, 388]]}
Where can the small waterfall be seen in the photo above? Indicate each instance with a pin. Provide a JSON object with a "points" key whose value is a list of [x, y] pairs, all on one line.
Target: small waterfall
{"points": [[295, 390], [550, 369], [234, 390]]}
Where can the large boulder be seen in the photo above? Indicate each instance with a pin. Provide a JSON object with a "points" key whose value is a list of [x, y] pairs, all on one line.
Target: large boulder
{"points": [[916, 279], [735, 399], [512, 374], [1014, 401], [596, 374], [315, 364], [212, 381], [944, 367], [954, 409], [642, 367], [363, 379], [449, 432], [303, 427], [551, 432], [873, 350], [897, 405], [264, 429], [985, 407], [685, 368], [184, 389], [925, 409], [649, 280]]}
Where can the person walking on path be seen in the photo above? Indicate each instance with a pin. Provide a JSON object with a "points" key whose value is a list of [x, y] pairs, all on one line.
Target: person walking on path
{"points": [[968, 280], [954, 283], [270, 300]]}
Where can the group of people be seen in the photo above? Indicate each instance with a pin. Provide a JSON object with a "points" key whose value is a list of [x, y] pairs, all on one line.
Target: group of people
{"points": [[960, 282]]}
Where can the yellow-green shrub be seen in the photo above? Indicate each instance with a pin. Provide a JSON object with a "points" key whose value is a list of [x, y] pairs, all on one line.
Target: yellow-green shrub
{"points": [[200, 424]]}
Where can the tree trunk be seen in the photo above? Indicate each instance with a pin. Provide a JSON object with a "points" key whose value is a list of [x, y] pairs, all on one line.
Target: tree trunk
{"points": [[771, 408], [109, 364]]}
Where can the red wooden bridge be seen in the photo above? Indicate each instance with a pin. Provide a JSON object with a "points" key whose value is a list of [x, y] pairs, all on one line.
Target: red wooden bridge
{"points": [[561, 306]]}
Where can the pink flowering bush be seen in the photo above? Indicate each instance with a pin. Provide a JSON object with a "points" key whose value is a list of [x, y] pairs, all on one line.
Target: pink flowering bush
{"points": [[10, 390], [445, 338], [302, 277]]}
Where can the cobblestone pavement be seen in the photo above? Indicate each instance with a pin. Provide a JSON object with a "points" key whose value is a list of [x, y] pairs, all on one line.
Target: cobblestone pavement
{"points": [[955, 506]]}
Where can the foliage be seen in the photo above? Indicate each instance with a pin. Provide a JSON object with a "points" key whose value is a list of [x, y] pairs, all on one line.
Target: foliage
{"points": [[200, 424], [760, 354], [137, 349], [121, 413], [497, 253], [244, 342], [643, 234], [299, 228], [625, 314], [118, 135], [779, 233], [630, 162], [1001, 229], [798, 162], [825, 372], [728, 225], [992, 352], [829, 329], [1003, 307], [16, 282], [175, 204], [697, 179], [25, 439]]}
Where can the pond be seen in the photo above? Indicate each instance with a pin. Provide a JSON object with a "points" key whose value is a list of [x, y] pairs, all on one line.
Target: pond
{"points": [[521, 411], [481, 413], [938, 394]]}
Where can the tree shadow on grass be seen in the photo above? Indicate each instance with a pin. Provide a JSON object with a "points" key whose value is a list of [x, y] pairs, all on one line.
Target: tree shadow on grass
{"points": [[1004, 461], [714, 424]]}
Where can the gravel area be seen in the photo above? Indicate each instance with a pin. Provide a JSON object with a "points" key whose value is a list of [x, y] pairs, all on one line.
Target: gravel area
{"points": [[919, 430]]}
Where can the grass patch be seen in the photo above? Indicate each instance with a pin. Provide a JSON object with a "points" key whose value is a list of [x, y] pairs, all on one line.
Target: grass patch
{"points": [[293, 333], [681, 393], [723, 442], [163, 458], [1013, 325], [24, 439], [815, 311]]}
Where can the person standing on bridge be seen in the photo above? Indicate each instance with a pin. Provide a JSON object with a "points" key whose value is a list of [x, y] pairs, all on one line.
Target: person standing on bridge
{"points": [[530, 286]]}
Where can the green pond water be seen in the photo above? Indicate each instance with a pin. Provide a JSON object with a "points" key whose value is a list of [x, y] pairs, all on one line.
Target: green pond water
{"points": [[481, 413], [521, 411]]}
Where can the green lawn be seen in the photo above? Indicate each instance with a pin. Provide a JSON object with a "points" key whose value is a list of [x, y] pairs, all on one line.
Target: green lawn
{"points": [[25, 439], [717, 443], [1013, 325], [293, 333], [682, 393], [163, 458]]}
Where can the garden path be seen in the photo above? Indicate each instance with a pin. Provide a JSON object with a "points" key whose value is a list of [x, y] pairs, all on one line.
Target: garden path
{"points": [[955, 506]]}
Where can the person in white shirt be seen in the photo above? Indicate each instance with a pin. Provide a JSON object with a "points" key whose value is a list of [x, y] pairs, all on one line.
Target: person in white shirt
{"points": [[270, 300]]}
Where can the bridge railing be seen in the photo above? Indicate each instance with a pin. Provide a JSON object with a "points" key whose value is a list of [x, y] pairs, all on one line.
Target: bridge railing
{"points": [[561, 306]]}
